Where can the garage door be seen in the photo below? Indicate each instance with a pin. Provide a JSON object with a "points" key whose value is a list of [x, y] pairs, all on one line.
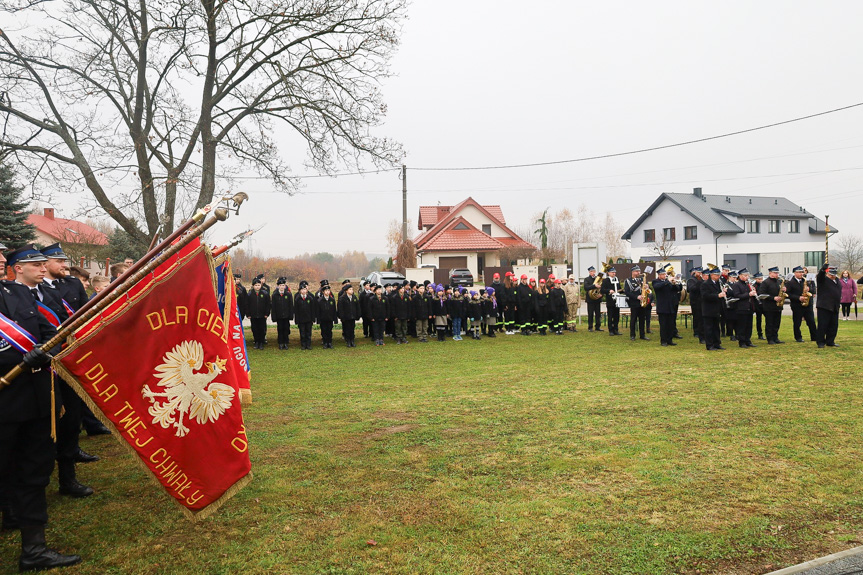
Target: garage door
{"points": [[452, 262]]}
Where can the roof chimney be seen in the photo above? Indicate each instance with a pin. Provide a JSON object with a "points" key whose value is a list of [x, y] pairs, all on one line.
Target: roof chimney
{"points": [[727, 199], [49, 213], [697, 192]]}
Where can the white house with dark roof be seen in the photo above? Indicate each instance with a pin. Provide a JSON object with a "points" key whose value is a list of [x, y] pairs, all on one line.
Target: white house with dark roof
{"points": [[755, 232], [466, 235]]}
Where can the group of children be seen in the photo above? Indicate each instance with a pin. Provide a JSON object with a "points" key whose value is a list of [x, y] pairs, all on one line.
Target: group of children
{"points": [[420, 310]]}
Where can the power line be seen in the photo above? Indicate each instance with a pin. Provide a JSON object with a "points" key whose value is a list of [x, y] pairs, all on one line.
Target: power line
{"points": [[640, 151]]}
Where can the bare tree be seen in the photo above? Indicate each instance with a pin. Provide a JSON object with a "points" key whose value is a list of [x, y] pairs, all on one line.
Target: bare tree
{"points": [[162, 99], [849, 256], [664, 248], [612, 231]]}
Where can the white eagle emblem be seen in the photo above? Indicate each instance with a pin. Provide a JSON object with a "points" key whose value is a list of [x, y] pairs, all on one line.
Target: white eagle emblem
{"points": [[187, 392]]}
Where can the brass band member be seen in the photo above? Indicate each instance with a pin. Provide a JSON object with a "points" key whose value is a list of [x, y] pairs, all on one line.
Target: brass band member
{"points": [[594, 306], [632, 288], [610, 288], [693, 286], [799, 293], [829, 296], [759, 307], [773, 305], [667, 295], [745, 295], [712, 301]]}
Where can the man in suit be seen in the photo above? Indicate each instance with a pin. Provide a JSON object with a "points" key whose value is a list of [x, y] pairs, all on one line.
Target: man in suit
{"points": [[829, 295], [796, 287], [745, 295], [594, 306], [712, 301], [693, 287], [610, 288], [26, 448], [633, 289], [772, 288], [667, 293]]}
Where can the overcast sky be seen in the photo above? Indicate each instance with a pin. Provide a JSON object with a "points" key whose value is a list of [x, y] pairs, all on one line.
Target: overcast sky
{"points": [[485, 83]]}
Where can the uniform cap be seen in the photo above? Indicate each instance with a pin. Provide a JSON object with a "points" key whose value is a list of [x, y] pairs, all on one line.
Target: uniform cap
{"points": [[238, 276], [715, 271], [636, 268], [282, 281], [25, 254], [773, 269], [733, 274], [744, 271], [612, 269], [557, 281], [726, 267], [591, 269], [524, 276], [540, 281], [832, 270], [551, 276], [661, 270], [798, 269], [54, 251], [508, 274], [304, 284], [758, 275], [346, 281], [496, 276]]}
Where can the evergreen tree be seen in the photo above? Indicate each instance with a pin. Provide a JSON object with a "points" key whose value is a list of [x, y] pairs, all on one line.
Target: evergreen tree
{"points": [[122, 245], [14, 229]]}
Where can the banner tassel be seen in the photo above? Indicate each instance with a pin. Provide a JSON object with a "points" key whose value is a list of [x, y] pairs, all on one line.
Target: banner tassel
{"points": [[53, 410], [245, 396]]}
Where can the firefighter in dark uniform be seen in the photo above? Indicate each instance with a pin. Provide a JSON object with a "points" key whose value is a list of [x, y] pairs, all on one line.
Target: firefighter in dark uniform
{"points": [[796, 287], [744, 307], [349, 312], [693, 287], [365, 298], [497, 286], [379, 307], [759, 308], [667, 293], [712, 302], [829, 296], [74, 294], [69, 427], [610, 288], [304, 315], [26, 449], [633, 287], [726, 327], [594, 306], [258, 304], [326, 314], [282, 311], [524, 305], [772, 311]]}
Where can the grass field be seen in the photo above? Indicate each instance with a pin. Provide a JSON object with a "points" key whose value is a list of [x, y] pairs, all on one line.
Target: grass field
{"points": [[573, 454]]}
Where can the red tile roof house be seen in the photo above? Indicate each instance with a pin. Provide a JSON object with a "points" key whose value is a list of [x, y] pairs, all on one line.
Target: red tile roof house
{"points": [[77, 238], [466, 235]]}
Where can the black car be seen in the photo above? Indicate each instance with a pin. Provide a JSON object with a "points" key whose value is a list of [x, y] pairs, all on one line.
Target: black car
{"points": [[461, 277]]}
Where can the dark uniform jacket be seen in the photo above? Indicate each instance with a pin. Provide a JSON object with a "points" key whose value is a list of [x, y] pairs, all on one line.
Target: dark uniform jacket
{"points": [[72, 291], [557, 300], [282, 305], [242, 300], [589, 281], [632, 288], [794, 287], [455, 307], [829, 292], [422, 306], [29, 396], [258, 304], [771, 287], [542, 302], [608, 287], [379, 307], [693, 287], [667, 295], [490, 307], [524, 296], [740, 290], [326, 310], [349, 308], [711, 303], [365, 298], [304, 308], [51, 297], [400, 306], [510, 297], [474, 310]]}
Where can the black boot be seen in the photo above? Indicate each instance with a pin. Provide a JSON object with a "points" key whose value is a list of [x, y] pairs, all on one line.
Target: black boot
{"points": [[83, 457], [35, 556], [69, 483]]}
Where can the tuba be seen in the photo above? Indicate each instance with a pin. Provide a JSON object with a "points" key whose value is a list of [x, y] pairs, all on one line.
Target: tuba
{"points": [[645, 292], [594, 292]]}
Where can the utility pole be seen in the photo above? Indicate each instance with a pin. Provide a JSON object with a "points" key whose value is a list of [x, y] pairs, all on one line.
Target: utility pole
{"points": [[404, 203]]}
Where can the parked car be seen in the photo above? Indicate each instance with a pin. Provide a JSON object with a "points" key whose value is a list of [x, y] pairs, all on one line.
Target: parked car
{"points": [[461, 277], [383, 278]]}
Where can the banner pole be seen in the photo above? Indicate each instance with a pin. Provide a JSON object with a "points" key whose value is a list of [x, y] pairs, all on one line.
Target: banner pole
{"points": [[79, 319]]}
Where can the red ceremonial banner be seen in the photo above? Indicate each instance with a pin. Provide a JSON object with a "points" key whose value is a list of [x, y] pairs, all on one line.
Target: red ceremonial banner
{"points": [[236, 337], [156, 366]]}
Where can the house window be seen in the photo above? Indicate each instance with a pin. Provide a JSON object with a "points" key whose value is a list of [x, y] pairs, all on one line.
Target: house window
{"points": [[753, 226], [461, 226], [690, 232], [731, 263], [649, 236], [486, 229], [793, 226], [668, 234], [775, 226], [813, 259]]}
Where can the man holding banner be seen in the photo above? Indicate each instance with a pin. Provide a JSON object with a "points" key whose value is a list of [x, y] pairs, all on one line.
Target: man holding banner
{"points": [[27, 411]]}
